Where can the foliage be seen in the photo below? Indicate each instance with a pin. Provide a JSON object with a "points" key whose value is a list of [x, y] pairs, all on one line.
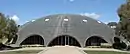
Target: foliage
{"points": [[2, 25], [8, 27], [124, 10], [22, 52], [123, 27]]}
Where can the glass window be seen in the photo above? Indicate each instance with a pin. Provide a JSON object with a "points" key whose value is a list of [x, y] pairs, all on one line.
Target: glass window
{"points": [[98, 21], [47, 19], [33, 20], [66, 19], [84, 20]]}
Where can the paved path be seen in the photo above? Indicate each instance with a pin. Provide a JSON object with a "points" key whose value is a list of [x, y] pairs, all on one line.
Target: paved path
{"points": [[62, 50], [46, 48]]}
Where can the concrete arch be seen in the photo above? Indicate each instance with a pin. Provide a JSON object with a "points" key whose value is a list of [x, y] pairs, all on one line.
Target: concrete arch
{"points": [[95, 41], [33, 39], [65, 40]]}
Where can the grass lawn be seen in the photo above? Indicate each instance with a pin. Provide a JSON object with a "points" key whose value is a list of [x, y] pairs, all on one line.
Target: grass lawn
{"points": [[104, 52], [22, 52]]}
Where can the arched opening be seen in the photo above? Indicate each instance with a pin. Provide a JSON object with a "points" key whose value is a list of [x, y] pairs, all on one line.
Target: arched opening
{"points": [[34, 39], [64, 40], [94, 41]]}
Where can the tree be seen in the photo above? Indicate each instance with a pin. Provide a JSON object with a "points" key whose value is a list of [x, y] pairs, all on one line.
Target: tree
{"points": [[124, 10], [12, 28], [2, 25], [123, 27], [8, 27]]}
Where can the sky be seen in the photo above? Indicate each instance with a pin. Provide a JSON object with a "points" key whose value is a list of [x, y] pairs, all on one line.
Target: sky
{"points": [[25, 10]]}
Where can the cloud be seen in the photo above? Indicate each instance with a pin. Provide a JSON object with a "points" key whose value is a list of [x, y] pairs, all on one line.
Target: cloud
{"points": [[106, 22], [15, 18], [26, 21], [92, 15]]}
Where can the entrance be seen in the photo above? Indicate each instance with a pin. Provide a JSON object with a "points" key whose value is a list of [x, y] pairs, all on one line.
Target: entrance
{"points": [[64, 40]]}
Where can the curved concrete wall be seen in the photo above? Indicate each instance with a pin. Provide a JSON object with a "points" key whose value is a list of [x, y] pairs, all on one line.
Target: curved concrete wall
{"points": [[80, 27]]}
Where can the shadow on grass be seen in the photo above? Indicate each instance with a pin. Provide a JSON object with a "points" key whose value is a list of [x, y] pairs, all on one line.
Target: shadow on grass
{"points": [[22, 52], [104, 52]]}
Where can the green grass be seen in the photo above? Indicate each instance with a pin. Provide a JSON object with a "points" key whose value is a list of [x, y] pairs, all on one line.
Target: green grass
{"points": [[105, 52], [22, 52]]}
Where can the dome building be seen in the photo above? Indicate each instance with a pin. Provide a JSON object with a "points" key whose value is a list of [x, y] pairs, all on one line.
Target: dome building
{"points": [[65, 29]]}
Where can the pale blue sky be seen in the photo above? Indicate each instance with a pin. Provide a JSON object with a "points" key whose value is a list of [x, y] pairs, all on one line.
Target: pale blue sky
{"points": [[32, 9]]}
